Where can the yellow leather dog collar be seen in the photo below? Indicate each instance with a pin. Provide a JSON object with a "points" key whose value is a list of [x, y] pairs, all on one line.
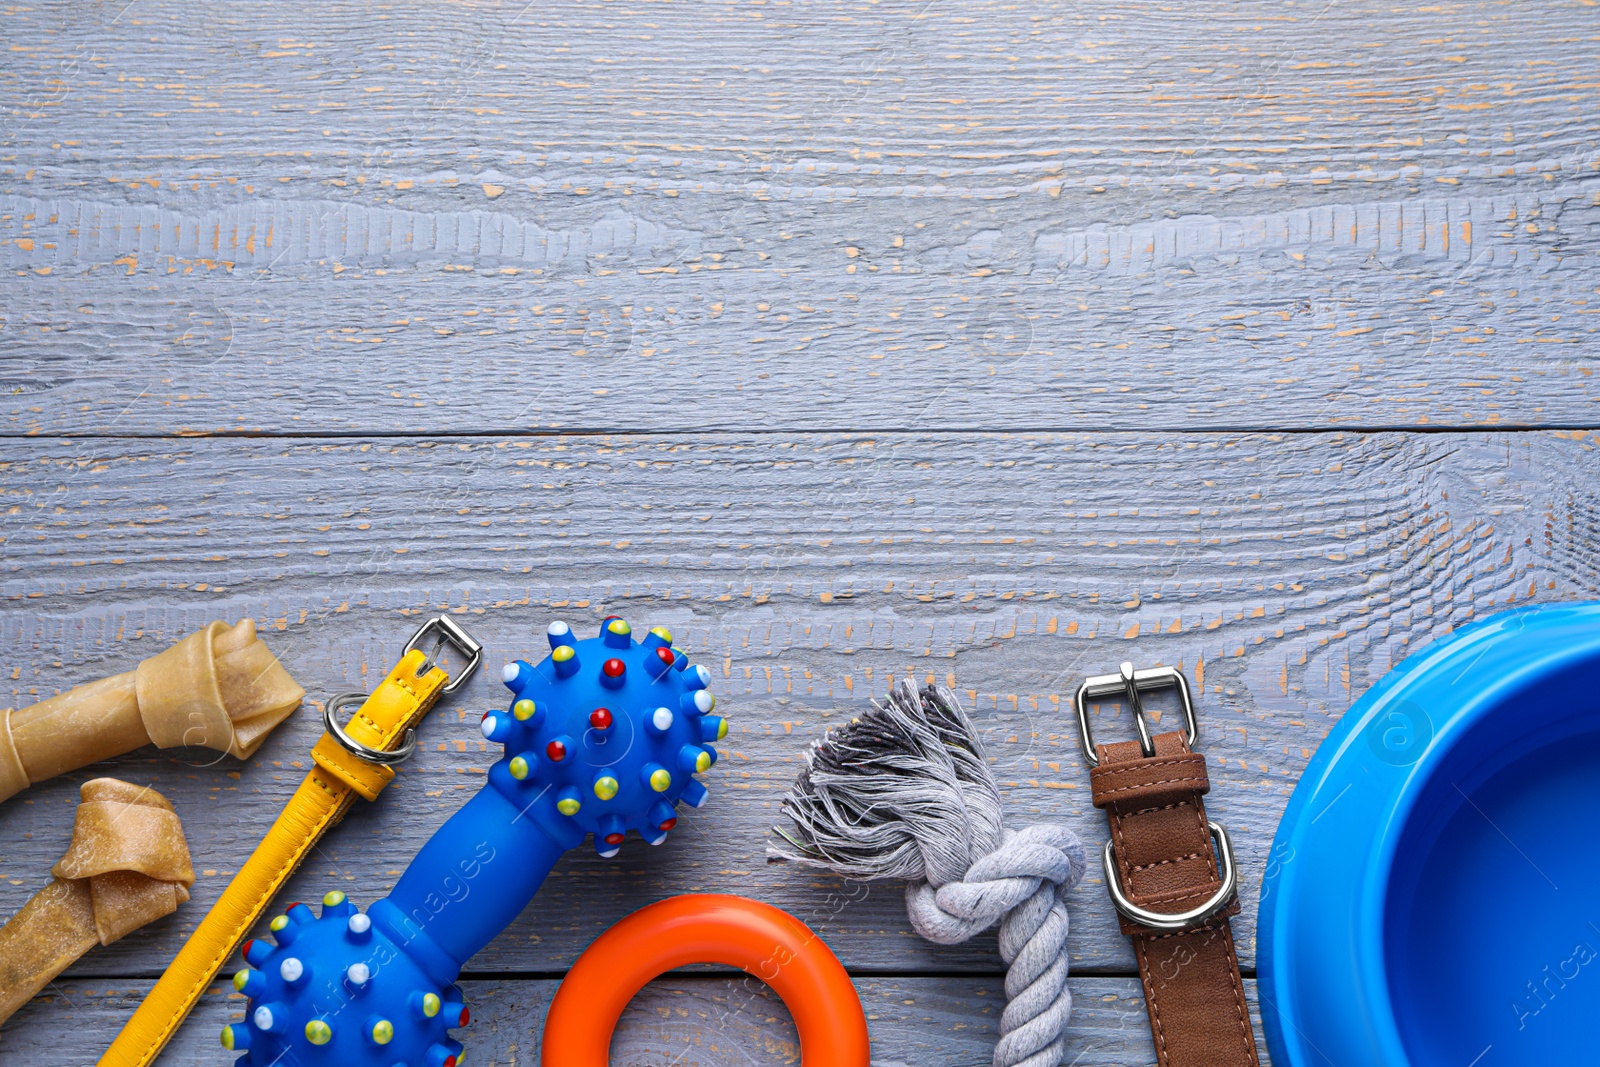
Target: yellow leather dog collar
{"points": [[344, 769]]}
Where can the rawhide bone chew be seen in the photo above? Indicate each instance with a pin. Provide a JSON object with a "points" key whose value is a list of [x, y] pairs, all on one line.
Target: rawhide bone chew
{"points": [[219, 688], [128, 865], [600, 738], [904, 791]]}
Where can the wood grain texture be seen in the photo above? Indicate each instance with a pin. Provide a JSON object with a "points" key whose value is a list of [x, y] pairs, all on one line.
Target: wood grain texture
{"points": [[1285, 574], [803, 329], [684, 1020], [477, 217]]}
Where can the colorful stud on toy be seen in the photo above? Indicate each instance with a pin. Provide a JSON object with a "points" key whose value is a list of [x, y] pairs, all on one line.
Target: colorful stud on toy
{"points": [[592, 747]]}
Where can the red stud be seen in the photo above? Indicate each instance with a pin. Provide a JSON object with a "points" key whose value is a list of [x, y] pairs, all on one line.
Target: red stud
{"points": [[556, 751], [600, 718], [614, 839], [466, 1017], [450, 1061], [669, 824], [665, 654], [613, 668], [292, 905]]}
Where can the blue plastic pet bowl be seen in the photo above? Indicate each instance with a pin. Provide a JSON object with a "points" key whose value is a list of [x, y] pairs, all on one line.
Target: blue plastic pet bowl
{"points": [[1432, 897]]}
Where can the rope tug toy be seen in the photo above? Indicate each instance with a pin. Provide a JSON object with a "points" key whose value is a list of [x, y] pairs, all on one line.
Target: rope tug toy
{"points": [[600, 738], [905, 792]]}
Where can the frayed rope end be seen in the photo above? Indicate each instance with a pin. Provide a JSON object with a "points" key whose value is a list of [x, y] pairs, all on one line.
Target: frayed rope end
{"points": [[903, 791]]}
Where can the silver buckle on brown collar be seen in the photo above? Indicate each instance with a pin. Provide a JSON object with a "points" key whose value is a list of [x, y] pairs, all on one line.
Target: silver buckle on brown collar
{"points": [[1130, 683]]}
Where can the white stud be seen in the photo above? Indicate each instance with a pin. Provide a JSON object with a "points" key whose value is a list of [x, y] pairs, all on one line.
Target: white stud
{"points": [[559, 629], [662, 719], [291, 969], [704, 701], [359, 923], [488, 725], [508, 673], [263, 1018], [358, 974]]}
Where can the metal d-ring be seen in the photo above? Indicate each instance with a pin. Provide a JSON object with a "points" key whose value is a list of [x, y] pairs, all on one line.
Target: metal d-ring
{"points": [[1182, 920], [330, 720]]}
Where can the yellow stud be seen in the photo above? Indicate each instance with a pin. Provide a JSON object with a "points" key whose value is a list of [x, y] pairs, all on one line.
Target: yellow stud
{"points": [[562, 653], [661, 780], [318, 1032], [605, 787], [383, 1031], [240, 978], [227, 1038], [722, 729], [278, 923], [430, 1004], [568, 806], [519, 768], [702, 762], [663, 633], [620, 626], [333, 899], [524, 709]]}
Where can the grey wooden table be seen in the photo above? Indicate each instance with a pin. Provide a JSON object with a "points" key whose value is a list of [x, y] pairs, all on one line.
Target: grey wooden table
{"points": [[989, 343]]}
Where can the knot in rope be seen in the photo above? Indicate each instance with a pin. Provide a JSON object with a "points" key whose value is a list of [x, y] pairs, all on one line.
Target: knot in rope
{"points": [[905, 792], [1022, 885]]}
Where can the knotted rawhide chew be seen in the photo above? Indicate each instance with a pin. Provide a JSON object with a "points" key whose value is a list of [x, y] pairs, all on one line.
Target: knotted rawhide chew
{"points": [[219, 688], [904, 791], [128, 865]]}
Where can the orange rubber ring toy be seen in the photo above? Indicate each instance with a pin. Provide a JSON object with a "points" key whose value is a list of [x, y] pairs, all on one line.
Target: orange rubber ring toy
{"points": [[757, 938]]}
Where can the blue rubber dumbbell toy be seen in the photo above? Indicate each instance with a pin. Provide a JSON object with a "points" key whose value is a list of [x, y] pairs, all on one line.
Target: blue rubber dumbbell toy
{"points": [[602, 737]]}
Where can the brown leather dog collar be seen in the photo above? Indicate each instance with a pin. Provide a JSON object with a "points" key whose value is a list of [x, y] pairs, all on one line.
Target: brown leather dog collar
{"points": [[1161, 868]]}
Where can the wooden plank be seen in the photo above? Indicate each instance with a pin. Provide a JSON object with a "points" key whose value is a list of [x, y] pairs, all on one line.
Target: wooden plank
{"points": [[1285, 574], [684, 1020], [480, 217]]}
